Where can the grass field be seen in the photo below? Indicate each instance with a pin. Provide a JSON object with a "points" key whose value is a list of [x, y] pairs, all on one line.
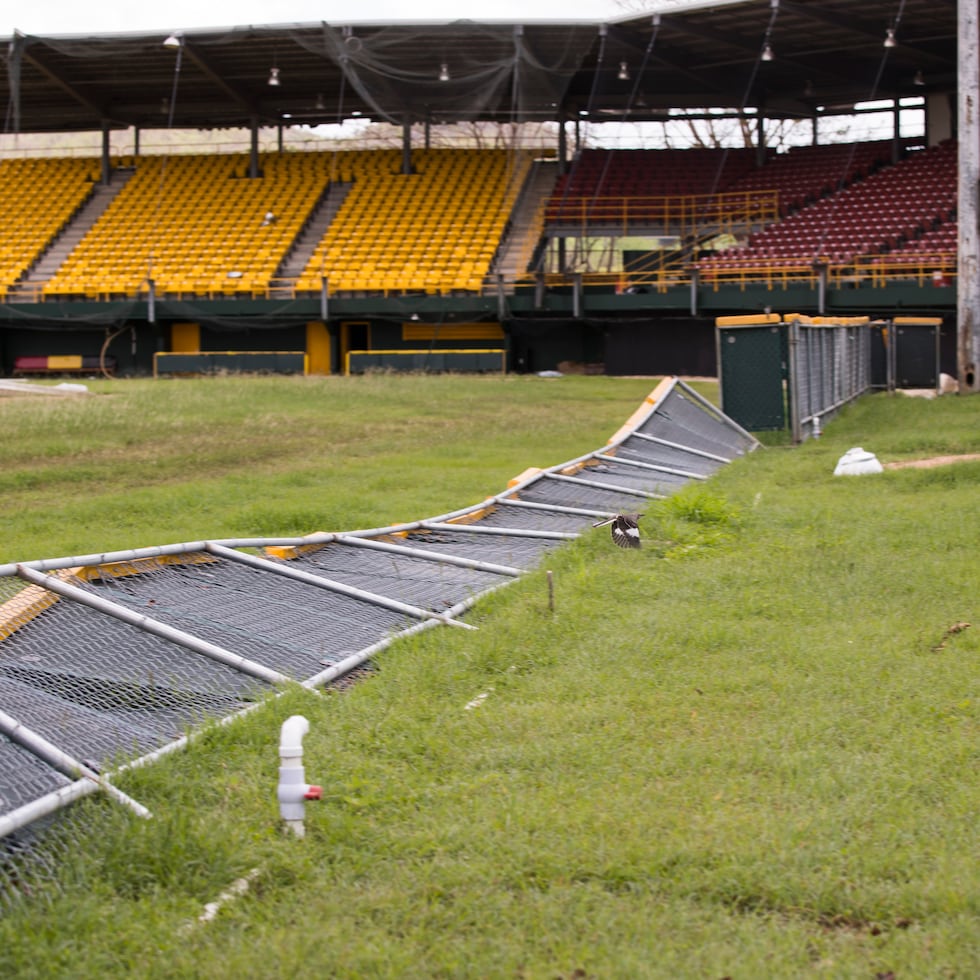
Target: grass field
{"points": [[148, 462], [748, 750]]}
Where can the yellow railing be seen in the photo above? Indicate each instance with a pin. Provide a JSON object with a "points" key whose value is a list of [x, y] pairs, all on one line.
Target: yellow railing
{"points": [[875, 271], [671, 214], [871, 271]]}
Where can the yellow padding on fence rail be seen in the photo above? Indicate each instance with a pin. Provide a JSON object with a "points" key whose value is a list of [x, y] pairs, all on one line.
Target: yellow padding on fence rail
{"points": [[29, 603], [747, 318], [829, 321], [641, 413]]}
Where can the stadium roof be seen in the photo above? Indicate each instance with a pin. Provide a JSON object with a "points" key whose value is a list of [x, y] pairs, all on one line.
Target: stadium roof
{"points": [[827, 56]]}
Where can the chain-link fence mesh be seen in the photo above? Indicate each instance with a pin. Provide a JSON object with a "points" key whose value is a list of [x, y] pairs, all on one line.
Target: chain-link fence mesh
{"points": [[830, 365]]}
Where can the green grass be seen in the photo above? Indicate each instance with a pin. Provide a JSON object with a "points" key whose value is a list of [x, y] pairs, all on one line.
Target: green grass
{"points": [[143, 462], [747, 750]]}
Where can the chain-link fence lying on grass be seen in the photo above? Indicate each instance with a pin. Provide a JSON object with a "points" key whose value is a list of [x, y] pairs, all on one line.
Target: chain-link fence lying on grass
{"points": [[108, 661]]}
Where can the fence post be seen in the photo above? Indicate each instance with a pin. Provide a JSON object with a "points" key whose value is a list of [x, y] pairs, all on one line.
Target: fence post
{"points": [[793, 386]]}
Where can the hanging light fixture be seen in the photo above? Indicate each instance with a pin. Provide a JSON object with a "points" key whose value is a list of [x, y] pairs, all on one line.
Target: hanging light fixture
{"points": [[320, 104], [175, 40], [919, 78], [444, 72], [274, 77], [624, 72], [890, 41], [767, 53]]}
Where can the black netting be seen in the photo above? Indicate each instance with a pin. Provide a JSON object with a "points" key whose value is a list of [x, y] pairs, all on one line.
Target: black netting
{"points": [[24, 777], [532, 519]]}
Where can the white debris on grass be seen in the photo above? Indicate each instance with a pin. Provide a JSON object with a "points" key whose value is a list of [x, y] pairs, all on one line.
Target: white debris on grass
{"points": [[235, 890], [856, 462], [477, 701], [9, 386]]}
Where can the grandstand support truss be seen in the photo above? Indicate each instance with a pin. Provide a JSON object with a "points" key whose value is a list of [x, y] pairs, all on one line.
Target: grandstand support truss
{"points": [[109, 661]]}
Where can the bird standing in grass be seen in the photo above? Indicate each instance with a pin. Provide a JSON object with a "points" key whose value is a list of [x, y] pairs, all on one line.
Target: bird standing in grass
{"points": [[625, 529]]}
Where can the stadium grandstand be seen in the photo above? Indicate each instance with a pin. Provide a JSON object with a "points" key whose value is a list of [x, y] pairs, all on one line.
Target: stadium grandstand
{"points": [[555, 245]]}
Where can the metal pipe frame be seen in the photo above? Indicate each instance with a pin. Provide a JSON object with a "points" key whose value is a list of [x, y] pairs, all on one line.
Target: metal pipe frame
{"points": [[32, 571], [513, 532], [154, 626], [58, 759], [596, 485], [555, 508], [685, 449], [640, 464], [331, 585]]}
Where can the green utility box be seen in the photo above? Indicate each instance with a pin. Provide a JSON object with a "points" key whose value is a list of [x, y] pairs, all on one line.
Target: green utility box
{"points": [[752, 370]]}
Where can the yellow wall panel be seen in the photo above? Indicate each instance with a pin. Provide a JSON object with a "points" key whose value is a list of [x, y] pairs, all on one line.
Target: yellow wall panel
{"points": [[317, 348], [185, 338]]}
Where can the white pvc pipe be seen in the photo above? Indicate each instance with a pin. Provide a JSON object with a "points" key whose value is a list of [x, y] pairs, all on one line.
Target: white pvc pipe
{"points": [[293, 789], [105, 558], [159, 551]]}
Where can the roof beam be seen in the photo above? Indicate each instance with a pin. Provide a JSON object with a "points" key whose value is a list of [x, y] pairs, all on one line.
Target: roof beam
{"points": [[813, 69], [235, 94], [852, 25], [706, 33], [855, 26], [29, 53]]}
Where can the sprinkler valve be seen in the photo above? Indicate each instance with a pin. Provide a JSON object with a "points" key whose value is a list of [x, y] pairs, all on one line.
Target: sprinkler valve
{"points": [[293, 788]]}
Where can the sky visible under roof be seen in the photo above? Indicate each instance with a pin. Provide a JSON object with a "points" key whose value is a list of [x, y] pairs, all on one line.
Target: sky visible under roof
{"points": [[52, 17]]}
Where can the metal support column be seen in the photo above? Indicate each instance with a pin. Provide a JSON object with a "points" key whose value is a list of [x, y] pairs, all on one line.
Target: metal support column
{"points": [[106, 163], [760, 139], [407, 146], [822, 273], [253, 156], [968, 280]]}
